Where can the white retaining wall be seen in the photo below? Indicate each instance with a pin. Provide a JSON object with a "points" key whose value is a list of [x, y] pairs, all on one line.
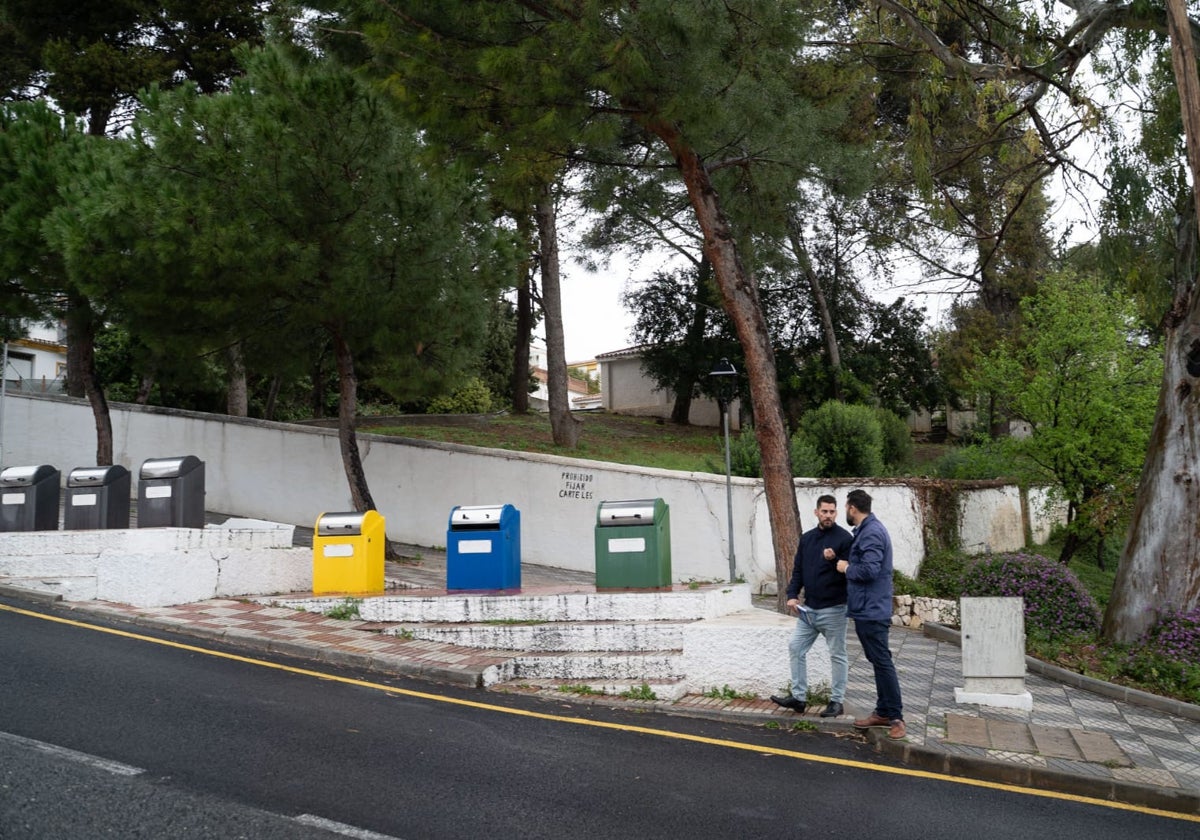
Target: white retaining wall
{"points": [[288, 473], [154, 567]]}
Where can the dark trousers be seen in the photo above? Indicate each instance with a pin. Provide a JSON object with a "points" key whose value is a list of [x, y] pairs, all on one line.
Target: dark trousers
{"points": [[873, 636]]}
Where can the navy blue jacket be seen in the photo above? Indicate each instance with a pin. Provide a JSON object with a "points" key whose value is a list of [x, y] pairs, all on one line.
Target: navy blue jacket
{"points": [[823, 585], [869, 574]]}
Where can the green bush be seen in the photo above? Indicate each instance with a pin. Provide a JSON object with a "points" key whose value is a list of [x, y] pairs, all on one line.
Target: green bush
{"points": [[1056, 604], [977, 461], [848, 437], [472, 398], [897, 439], [941, 573], [902, 584], [745, 459], [807, 462]]}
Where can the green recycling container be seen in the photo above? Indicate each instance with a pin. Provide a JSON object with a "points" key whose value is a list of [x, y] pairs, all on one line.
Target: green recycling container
{"points": [[633, 544]]}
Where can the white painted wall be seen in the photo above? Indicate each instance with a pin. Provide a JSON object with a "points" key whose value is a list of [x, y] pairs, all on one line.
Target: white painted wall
{"points": [[286, 473], [626, 390]]}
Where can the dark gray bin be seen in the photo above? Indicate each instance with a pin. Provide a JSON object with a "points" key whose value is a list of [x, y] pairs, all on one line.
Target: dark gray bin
{"points": [[29, 498], [171, 493], [97, 498]]}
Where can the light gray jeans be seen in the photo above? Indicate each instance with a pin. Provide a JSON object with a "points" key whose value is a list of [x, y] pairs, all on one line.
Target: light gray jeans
{"points": [[830, 623]]}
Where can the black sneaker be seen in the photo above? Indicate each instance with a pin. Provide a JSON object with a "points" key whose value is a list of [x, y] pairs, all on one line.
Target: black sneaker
{"points": [[789, 702], [834, 709]]}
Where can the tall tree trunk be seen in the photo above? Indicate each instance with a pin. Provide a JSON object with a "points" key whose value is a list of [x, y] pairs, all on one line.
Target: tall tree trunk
{"points": [[237, 397], [682, 408], [144, 389], [832, 351], [739, 295], [272, 397], [524, 334], [564, 427], [356, 476], [1160, 566], [82, 378]]}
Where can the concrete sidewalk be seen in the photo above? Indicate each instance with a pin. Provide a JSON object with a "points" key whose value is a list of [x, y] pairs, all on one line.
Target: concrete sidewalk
{"points": [[1082, 737]]}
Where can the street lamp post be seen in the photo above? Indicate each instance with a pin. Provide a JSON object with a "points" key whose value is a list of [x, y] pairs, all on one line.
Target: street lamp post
{"points": [[725, 376]]}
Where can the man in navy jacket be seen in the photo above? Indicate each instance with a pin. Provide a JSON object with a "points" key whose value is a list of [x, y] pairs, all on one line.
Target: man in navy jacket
{"points": [[868, 572], [824, 609]]}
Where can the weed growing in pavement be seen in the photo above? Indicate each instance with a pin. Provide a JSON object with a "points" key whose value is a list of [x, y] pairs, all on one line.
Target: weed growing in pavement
{"points": [[804, 726], [405, 634], [819, 694], [639, 692], [727, 693], [346, 610], [580, 689], [771, 724]]}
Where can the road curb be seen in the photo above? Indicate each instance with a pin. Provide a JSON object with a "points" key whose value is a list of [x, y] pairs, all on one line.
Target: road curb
{"points": [[1176, 800], [24, 594], [1133, 696]]}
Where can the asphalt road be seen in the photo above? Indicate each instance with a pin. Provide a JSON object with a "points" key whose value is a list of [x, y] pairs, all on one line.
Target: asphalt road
{"points": [[214, 742]]}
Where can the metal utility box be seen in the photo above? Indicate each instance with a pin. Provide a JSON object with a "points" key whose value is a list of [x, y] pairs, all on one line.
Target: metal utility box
{"points": [[29, 498], [483, 547], [171, 493], [97, 498], [633, 545], [348, 550]]}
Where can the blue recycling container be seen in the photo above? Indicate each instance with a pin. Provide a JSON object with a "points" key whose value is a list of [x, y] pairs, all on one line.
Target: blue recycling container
{"points": [[483, 547]]}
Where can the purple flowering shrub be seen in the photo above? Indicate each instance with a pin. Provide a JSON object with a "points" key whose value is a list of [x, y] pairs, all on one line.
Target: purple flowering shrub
{"points": [[1057, 605], [1167, 658]]}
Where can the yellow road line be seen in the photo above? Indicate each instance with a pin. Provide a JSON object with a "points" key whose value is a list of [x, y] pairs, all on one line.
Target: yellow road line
{"points": [[643, 730]]}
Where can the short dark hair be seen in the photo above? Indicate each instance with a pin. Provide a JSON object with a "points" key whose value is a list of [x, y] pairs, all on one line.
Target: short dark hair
{"points": [[860, 500], [826, 499]]}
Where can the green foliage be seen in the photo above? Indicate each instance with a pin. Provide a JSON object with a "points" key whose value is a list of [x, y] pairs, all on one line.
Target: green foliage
{"points": [[1056, 604], [472, 398], [745, 458], [902, 584], [975, 461], [940, 575], [580, 689], [36, 150], [807, 460], [727, 693], [848, 437], [897, 439], [639, 692], [347, 610], [1087, 384]]}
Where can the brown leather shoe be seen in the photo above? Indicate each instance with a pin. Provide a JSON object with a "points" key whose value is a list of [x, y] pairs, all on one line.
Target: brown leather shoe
{"points": [[872, 720], [897, 730]]}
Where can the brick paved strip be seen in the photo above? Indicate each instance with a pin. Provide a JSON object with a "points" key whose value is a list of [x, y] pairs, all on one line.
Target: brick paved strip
{"points": [[971, 731], [1100, 748], [1054, 742], [1010, 736]]}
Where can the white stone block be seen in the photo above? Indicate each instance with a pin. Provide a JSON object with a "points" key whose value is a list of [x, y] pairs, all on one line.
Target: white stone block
{"points": [[748, 651]]}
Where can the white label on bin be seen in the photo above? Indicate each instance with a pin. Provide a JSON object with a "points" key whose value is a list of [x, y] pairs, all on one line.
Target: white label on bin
{"points": [[14, 498], [475, 547], [338, 550], [83, 500], [627, 545], [158, 491]]}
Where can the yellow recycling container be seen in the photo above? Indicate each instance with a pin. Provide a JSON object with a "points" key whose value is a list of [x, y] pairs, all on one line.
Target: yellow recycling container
{"points": [[348, 552]]}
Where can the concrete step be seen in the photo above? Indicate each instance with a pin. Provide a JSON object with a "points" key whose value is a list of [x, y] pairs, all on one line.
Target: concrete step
{"points": [[642, 666], [664, 690], [550, 636], [681, 604]]}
